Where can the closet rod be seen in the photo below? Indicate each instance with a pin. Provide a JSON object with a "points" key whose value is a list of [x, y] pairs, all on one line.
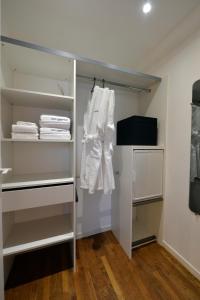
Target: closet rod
{"points": [[123, 85]]}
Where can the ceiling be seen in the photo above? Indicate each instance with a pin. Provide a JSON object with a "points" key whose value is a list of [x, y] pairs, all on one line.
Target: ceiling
{"points": [[114, 31]]}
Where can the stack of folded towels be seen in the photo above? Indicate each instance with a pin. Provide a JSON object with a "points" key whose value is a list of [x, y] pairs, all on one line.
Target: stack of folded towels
{"points": [[24, 130], [54, 127]]}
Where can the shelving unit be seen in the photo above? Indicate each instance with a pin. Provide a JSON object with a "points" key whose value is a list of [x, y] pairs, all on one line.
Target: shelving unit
{"points": [[38, 196], [54, 230]]}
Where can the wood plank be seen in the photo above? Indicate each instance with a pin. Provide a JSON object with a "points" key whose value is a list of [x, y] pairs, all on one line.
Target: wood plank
{"points": [[92, 262], [123, 271], [112, 278]]}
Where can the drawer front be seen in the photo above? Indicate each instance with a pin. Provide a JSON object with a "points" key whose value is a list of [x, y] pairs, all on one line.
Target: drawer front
{"points": [[36, 197], [148, 170]]}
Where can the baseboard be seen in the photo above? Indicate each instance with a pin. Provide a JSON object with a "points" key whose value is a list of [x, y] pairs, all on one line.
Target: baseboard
{"points": [[181, 259], [81, 235]]}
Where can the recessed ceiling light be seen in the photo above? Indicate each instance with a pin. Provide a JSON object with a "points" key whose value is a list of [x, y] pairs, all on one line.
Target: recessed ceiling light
{"points": [[147, 7]]}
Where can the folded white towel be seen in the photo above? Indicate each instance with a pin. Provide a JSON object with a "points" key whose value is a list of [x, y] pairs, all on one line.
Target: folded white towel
{"points": [[25, 136], [24, 128], [57, 134], [52, 130], [26, 123], [50, 118], [61, 125], [65, 137]]}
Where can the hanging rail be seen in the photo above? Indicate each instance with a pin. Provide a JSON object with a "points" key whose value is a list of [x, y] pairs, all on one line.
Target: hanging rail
{"points": [[123, 85]]}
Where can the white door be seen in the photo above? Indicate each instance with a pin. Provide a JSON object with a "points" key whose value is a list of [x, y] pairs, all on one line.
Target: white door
{"points": [[148, 170]]}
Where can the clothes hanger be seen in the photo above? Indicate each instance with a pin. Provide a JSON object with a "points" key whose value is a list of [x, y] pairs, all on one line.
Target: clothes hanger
{"points": [[92, 90]]}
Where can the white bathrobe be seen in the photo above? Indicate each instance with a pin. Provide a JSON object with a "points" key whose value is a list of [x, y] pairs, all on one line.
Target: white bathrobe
{"points": [[96, 163]]}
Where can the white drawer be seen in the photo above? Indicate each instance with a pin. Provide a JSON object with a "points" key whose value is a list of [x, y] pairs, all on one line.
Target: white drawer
{"points": [[36, 197]]}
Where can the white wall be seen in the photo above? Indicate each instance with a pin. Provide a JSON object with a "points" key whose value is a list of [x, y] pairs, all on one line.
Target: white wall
{"points": [[154, 105], [181, 230], [94, 211]]}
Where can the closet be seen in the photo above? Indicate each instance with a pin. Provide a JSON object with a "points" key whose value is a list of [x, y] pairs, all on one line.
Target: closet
{"points": [[40, 181]]}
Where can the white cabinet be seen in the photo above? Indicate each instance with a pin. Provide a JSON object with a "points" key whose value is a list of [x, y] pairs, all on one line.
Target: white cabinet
{"points": [[140, 183]]}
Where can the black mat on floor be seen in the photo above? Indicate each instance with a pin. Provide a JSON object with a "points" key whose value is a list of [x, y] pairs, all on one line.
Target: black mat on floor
{"points": [[40, 263]]}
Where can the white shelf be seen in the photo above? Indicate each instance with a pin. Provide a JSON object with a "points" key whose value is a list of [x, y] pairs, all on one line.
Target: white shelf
{"points": [[39, 233], [37, 99], [31, 180], [35, 141]]}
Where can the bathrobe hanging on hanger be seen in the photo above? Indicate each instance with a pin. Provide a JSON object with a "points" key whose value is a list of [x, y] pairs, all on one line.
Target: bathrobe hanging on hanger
{"points": [[96, 163]]}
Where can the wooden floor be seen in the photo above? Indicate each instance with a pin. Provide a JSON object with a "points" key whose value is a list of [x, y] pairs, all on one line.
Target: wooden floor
{"points": [[105, 272]]}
